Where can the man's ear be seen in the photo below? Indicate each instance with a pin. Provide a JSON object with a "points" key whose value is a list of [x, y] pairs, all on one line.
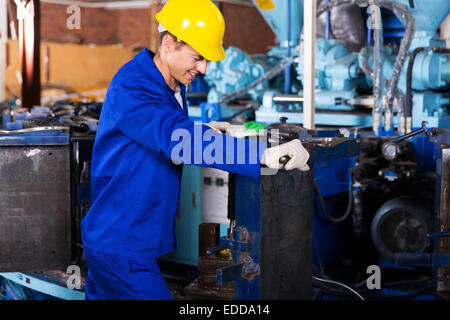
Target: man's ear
{"points": [[168, 43]]}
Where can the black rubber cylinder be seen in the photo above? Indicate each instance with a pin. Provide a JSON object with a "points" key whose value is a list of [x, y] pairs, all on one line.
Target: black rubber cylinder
{"points": [[401, 225]]}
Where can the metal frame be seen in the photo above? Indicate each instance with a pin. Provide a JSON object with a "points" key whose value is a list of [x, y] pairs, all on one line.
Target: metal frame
{"points": [[42, 286]]}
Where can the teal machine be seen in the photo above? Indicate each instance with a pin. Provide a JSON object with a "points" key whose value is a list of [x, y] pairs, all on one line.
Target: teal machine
{"points": [[347, 82]]}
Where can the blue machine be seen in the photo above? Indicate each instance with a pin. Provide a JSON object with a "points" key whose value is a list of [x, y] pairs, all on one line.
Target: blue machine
{"points": [[271, 234]]}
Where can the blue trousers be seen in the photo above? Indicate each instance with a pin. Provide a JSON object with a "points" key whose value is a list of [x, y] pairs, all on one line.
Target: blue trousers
{"points": [[112, 277]]}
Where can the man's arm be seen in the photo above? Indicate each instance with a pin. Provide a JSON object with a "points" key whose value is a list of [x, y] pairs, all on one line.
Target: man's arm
{"points": [[159, 127]]}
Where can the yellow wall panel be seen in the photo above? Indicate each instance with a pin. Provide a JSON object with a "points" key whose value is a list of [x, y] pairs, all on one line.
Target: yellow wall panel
{"points": [[81, 67]]}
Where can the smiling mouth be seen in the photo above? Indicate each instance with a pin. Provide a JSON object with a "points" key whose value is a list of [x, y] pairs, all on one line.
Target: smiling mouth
{"points": [[191, 74]]}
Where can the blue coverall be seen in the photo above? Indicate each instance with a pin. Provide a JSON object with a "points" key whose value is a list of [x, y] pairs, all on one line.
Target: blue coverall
{"points": [[135, 185]]}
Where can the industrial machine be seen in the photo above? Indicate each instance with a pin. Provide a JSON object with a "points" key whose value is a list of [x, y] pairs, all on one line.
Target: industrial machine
{"points": [[380, 72], [45, 193], [345, 79], [271, 226]]}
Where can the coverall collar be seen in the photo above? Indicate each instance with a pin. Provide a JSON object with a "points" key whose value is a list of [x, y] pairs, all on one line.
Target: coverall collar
{"points": [[148, 67]]}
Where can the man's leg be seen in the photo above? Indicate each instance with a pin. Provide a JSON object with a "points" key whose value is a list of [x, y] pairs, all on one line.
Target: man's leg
{"points": [[148, 280], [112, 277]]}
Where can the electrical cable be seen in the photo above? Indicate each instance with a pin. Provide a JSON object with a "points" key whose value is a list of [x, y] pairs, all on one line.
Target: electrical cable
{"points": [[326, 287], [364, 291], [325, 211], [408, 294], [332, 290], [339, 284], [319, 217]]}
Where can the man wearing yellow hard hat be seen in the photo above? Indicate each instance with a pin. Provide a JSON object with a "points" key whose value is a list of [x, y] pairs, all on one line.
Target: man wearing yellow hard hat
{"points": [[135, 173]]}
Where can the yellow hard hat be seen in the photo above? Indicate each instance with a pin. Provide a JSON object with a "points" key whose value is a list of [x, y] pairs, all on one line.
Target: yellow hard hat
{"points": [[199, 23]]}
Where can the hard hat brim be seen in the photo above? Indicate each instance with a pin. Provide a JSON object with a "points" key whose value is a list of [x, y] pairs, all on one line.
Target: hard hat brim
{"points": [[213, 54]]}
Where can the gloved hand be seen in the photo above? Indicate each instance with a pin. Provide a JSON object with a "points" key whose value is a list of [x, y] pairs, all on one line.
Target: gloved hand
{"points": [[219, 126], [293, 149]]}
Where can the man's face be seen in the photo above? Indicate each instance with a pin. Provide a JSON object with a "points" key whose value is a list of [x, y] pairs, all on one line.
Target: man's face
{"points": [[185, 63]]}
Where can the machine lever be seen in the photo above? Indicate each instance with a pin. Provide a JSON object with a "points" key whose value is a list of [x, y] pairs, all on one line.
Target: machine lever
{"points": [[439, 234], [424, 130]]}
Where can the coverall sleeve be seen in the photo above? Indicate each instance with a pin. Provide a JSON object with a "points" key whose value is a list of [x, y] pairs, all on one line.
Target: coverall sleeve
{"points": [[154, 123]]}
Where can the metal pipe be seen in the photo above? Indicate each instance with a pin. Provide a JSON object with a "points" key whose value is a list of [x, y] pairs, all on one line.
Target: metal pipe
{"points": [[34, 129], [287, 98], [378, 47], [287, 71], [29, 43], [399, 104], [309, 63], [411, 134], [328, 25], [360, 101]]}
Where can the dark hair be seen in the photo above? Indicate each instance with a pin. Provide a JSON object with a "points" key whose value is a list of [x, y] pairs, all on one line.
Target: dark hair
{"points": [[165, 33]]}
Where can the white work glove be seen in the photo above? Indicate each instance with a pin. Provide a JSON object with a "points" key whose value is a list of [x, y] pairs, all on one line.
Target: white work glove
{"points": [[293, 149], [219, 126]]}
